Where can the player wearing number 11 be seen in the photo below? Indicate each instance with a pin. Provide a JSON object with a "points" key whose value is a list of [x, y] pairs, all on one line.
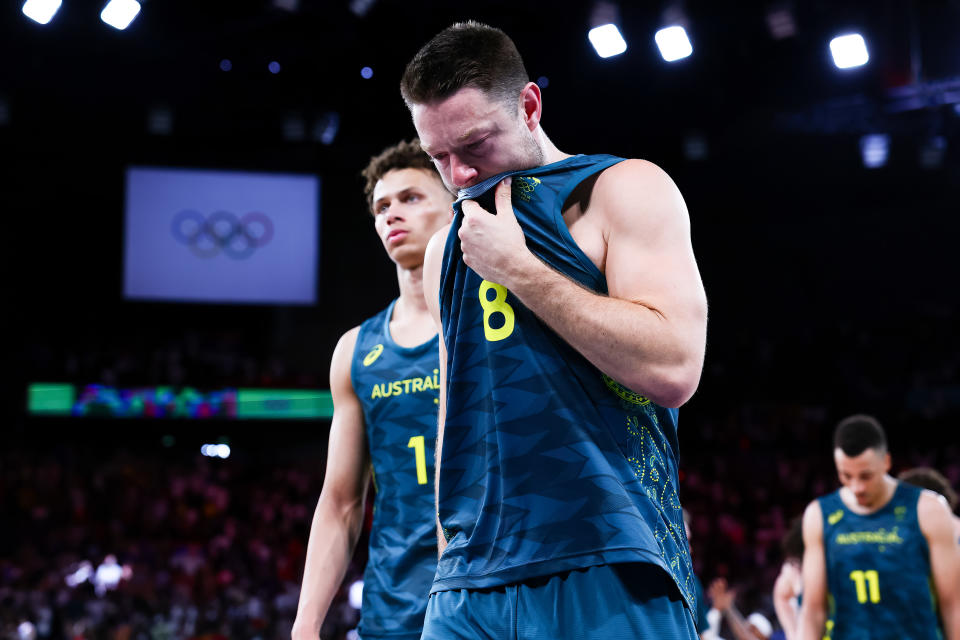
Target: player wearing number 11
{"points": [[384, 381], [880, 557]]}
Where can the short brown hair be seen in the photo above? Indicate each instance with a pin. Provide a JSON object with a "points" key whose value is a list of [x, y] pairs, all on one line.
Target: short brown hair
{"points": [[930, 479], [403, 155], [465, 54], [857, 433]]}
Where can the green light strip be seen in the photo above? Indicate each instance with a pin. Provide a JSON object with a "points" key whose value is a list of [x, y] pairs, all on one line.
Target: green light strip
{"points": [[283, 403], [47, 399], [50, 399]]}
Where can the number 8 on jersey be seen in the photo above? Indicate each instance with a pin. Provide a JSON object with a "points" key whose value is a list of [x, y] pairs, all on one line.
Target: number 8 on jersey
{"points": [[497, 305]]}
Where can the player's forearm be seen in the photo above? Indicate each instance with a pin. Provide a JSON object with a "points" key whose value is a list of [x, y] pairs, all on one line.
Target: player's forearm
{"points": [[333, 536], [787, 616], [950, 613], [651, 354], [811, 624], [737, 624]]}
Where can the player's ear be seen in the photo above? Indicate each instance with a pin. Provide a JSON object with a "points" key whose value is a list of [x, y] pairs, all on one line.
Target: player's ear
{"points": [[531, 105], [886, 462]]}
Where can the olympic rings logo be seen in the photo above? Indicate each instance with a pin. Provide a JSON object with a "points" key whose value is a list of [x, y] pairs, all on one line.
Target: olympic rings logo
{"points": [[222, 231]]}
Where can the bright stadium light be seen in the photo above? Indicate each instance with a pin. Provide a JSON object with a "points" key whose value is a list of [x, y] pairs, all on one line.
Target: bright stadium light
{"points": [[41, 11], [673, 43], [849, 51], [874, 149], [607, 41], [120, 13]]}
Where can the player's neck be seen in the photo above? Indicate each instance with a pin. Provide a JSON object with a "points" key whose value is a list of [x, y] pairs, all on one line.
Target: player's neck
{"points": [[550, 151], [889, 488], [411, 324], [411, 299]]}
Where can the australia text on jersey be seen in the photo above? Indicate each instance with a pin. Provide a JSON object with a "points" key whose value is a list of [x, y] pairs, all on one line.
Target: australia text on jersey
{"points": [[407, 385], [881, 536]]}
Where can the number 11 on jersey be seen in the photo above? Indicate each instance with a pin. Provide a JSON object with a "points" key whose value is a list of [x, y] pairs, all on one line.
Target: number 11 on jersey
{"points": [[417, 444], [863, 580]]}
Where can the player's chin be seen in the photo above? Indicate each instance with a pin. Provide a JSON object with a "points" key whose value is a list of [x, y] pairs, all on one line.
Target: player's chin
{"points": [[407, 256]]}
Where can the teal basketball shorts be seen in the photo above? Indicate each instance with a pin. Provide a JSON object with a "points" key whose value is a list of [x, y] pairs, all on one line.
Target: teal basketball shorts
{"points": [[607, 602]]}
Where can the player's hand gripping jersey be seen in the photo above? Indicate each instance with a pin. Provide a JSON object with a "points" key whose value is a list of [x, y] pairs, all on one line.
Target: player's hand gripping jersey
{"points": [[398, 388], [547, 464]]}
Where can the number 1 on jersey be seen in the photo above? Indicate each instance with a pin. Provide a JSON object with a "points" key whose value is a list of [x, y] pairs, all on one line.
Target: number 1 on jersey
{"points": [[864, 579], [416, 443]]}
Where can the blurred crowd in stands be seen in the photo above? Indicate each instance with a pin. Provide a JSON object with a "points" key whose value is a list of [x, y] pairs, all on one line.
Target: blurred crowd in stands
{"points": [[145, 542], [157, 545]]}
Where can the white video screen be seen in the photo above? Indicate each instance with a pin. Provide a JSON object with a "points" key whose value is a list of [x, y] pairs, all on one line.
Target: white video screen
{"points": [[211, 236]]}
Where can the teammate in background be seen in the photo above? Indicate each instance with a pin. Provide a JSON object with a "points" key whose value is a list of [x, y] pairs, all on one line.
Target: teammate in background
{"points": [[753, 627], [573, 320], [932, 479], [883, 550], [788, 587], [384, 382]]}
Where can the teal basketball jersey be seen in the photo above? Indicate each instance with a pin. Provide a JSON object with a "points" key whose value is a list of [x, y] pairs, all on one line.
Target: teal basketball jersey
{"points": [[398, 388], [878, 571], [547, 464]]}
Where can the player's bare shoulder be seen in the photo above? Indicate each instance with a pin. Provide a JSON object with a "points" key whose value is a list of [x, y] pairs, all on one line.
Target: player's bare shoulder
{"points": [[432, 266], [812, 522], [934, 514], [636, 192], [340, 379]]}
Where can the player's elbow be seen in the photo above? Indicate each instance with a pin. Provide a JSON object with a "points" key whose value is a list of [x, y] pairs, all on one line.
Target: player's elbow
{"points": [[343, 509], [671, 387]]}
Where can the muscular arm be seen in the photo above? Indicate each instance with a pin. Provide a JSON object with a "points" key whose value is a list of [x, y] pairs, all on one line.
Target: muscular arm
{"points": [[649, 333], [432, 261], [936, 523], [813, 611], [339, 514]]}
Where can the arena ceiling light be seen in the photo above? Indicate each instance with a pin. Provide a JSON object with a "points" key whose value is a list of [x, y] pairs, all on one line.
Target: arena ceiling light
{"points": [[607, 41], [849, 51], [41, 11], [780, 22], [673, 43], [120, 13], [874, 149]]}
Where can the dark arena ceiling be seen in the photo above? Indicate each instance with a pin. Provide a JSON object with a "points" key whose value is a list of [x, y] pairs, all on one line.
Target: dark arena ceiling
{"points": [[742, 80], [758, 128]]}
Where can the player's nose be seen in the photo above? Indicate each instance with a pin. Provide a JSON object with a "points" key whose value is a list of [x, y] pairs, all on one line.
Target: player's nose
{"points": [[461, 174]]}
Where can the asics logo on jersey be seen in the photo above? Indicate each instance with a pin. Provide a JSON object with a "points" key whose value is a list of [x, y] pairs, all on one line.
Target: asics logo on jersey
{"points": [[834, 517], [371, 357]]}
